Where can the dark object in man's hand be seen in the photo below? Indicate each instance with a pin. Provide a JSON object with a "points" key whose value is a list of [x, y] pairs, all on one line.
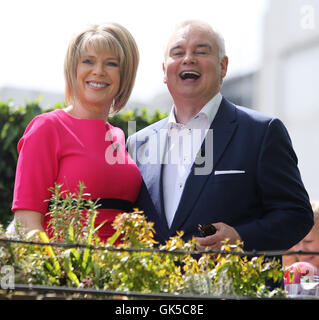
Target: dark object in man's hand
{"points": [[206, 230]]}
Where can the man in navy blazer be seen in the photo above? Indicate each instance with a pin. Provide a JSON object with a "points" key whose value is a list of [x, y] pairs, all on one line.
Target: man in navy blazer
{"points": [[241, 172]]}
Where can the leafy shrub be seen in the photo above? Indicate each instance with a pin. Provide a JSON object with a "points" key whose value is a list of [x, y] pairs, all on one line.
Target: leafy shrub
{"points": [[134, 265]]}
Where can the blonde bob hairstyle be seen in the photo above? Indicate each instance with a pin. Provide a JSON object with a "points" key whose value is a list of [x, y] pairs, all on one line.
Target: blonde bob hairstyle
{"points": [[109, 37]]}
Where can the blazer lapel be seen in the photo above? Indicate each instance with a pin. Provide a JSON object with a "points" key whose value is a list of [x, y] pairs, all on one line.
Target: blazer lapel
{"points": [[224, 126], [152, 172]]}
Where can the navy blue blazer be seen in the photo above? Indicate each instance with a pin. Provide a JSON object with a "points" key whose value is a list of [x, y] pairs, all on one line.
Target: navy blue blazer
{"points": [[254, 185]]}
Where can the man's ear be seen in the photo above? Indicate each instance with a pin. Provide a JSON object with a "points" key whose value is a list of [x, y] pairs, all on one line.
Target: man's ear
{"points": [[164, 70], [224, 66]]}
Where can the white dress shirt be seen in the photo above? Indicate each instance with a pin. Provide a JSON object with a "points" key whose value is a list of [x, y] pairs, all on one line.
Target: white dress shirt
{"points": [[183, 144]]}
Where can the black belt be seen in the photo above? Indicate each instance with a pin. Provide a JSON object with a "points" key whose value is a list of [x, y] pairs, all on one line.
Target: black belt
{"points": [[109, 203]]}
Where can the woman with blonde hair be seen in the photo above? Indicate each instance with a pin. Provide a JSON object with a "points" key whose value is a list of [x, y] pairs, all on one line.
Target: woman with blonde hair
{"points": [[78, 143], [309, 243]]}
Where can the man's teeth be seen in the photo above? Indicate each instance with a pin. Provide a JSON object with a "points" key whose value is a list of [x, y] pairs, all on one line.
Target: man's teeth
{"points": [[190, 75], [97, 85]]}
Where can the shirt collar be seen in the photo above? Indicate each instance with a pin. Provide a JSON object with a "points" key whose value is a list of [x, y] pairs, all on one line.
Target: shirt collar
{"points": [[209, 111]]}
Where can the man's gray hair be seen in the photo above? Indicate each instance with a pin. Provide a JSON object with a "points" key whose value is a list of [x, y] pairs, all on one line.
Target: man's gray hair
{"points": [[218, 37]]}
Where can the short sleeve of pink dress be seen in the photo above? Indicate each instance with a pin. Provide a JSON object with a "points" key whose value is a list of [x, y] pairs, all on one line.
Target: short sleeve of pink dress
{"points": [[58, 148]]}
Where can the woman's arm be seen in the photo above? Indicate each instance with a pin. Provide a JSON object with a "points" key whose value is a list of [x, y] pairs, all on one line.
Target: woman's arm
{"points": [[31, 220]]}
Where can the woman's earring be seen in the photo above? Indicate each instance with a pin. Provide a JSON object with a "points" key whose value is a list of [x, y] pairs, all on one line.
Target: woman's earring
{"points": [[112, 104]]}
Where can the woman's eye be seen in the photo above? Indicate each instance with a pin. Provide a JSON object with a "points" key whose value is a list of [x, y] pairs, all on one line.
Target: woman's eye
{"points": [[308, 241], [88, 61], [113, 64]]}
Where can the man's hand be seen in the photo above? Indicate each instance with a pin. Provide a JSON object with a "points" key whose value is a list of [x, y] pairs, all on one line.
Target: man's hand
{"points": [[223, 232]]}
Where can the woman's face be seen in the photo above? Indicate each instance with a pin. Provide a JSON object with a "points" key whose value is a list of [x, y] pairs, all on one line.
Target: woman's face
{"points": [[310, 243], [97, 79]]}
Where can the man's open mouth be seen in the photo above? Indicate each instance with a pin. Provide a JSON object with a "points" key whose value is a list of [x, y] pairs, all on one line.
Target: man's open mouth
{"points": [[190, 75]]}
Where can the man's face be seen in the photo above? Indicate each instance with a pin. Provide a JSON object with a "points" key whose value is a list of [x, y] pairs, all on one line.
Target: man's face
{"points": [[192, 68]]}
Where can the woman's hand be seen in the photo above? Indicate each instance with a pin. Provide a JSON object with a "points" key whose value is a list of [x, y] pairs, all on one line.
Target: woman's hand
{"points": [[31, 220]]}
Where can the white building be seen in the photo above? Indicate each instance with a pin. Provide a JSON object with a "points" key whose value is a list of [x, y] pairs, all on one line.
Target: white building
{"points": [[288, 81]]}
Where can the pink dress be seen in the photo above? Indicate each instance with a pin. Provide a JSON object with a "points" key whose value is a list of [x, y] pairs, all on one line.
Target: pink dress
{"points": [[58, 148]]}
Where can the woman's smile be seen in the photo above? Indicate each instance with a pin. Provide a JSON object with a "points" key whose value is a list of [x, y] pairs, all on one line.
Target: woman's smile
{"points": [[96, 85]]}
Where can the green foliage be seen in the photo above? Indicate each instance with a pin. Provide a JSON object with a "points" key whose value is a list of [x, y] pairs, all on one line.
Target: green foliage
{"points": [[141, 117], [13, 121], [72, 215], [233, 275], [102, 266]]}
